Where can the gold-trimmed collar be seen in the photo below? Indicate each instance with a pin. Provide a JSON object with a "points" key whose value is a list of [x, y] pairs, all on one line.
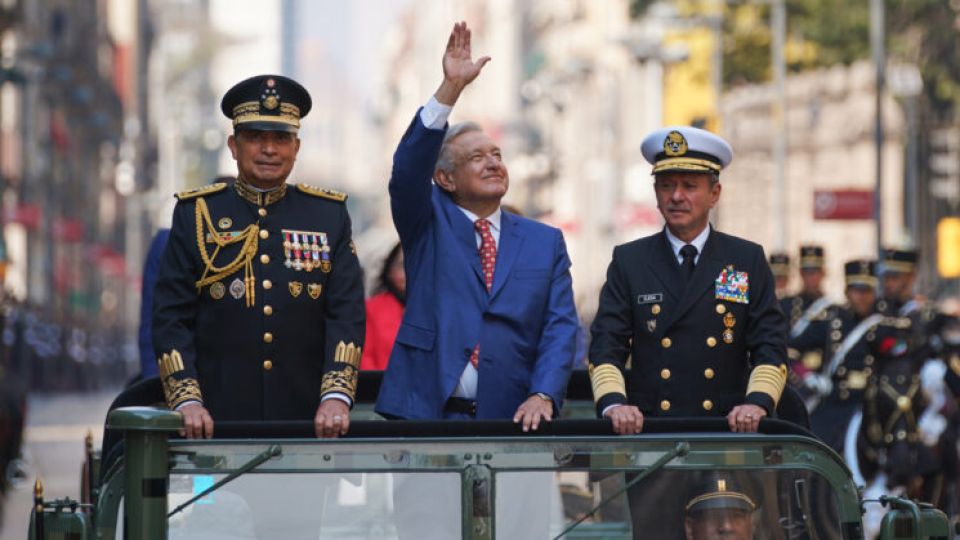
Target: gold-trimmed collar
{"points": [[259, 198]]}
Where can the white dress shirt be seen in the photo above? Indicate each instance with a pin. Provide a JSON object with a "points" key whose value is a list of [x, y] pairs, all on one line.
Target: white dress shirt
{"points": [[697, 242]]}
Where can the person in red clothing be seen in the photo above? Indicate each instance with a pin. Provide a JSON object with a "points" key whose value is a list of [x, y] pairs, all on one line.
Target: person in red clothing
{"points": [[385, 311]]}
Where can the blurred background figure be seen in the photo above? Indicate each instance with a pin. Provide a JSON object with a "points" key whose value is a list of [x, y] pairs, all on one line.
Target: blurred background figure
{"points": [[385, 311], [780, 266]]}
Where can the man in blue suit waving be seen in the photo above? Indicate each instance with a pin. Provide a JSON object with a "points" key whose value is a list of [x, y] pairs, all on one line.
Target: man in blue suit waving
{"points": [[490, 325]]}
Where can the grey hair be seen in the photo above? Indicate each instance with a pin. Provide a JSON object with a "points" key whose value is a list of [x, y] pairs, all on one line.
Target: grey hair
{"points": [[445, 162]]}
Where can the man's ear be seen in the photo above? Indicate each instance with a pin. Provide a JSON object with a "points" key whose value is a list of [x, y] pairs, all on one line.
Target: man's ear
{"points": [[232, 144], [715, 194], [444, 180]]}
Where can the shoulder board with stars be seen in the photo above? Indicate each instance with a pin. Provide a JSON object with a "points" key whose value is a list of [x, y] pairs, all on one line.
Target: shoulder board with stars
{"points": [[200, 191], [338, 196]]}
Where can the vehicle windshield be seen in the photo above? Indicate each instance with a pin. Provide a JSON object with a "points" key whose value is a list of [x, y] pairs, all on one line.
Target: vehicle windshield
{"points": [[531, 487]]}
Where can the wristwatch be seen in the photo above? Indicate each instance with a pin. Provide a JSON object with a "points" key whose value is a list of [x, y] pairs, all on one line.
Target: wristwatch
{"points": [[544, 397]]}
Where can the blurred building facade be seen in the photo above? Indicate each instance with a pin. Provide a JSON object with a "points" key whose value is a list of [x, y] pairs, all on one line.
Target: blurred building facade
{"points": [[71, 154], [830, 148]]}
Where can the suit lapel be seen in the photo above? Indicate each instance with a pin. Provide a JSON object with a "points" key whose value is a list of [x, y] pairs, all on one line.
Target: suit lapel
{"points": [[464, 233], [507, 250], [663, 265], [704, 276]]}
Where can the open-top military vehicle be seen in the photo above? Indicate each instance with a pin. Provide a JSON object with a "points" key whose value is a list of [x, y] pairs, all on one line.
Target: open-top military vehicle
{"points": [[478, 480]]}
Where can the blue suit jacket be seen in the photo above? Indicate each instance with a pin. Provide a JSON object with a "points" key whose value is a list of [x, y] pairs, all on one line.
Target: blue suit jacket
{"points": [[526, 325]]}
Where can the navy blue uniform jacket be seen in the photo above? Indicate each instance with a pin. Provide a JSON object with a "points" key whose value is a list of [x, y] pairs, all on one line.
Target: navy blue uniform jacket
{"points": [[270, 356], [526, 326], [698, 349]]}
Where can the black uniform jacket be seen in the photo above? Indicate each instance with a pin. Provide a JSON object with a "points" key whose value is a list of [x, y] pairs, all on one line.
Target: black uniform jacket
{"points": [[699, 349], [278, 316]]}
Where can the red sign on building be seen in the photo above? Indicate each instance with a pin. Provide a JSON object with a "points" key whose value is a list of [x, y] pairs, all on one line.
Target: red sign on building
{"points": [[843, 204]]}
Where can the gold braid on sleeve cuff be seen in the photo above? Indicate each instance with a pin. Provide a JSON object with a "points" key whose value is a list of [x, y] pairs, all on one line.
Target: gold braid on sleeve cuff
{"points": [[176, 390], [768, 379], [606, 379], [348, 354], [344, 381]]}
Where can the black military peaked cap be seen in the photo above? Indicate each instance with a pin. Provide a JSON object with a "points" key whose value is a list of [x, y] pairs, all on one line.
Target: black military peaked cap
{"points": [[717, 490], [811, 256], [899, 260], [266, 102], [780, 263], [860, 272]]}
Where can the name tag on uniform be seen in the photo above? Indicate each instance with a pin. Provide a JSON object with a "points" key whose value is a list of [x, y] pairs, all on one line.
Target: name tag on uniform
{"points": [[654, 298], [733, 286]]}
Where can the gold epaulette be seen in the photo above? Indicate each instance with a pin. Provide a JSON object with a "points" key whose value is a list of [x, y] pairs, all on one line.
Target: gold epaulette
{"points": [[333, 195], [200, 191]]}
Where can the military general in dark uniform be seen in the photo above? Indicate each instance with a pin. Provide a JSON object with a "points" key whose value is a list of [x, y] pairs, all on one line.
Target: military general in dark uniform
{"points": [[692, 308], [258, 310]]}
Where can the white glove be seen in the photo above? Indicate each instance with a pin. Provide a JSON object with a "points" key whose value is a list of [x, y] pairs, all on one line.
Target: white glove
{"points": [[821, 384]]}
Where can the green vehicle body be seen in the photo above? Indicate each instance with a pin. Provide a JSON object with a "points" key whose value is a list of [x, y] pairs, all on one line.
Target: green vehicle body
{"points": [[806, 489]]}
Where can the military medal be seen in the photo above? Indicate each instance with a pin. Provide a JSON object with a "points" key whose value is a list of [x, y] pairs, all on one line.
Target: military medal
{"points": [[295, 288], [729, 321], [325, 265], [237, 288], [217, 290], [225, 223], [313, 289], [308, 251], [286, 249], [315, 251], [297, 263], [651, 325]]}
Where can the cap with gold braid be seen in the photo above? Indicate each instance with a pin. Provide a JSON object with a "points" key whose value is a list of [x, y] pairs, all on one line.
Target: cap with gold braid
{"points": [[719, 491], [266, 103], [686, 149], [780, 264], [811, 257], [860, 273], [902, 261]]}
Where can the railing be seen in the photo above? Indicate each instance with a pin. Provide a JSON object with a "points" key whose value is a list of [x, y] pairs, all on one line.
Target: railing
{"points": [[480, 479]]}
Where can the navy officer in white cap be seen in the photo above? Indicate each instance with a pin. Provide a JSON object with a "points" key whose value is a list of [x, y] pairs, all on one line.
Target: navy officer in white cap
{"points": [[694, 308]]}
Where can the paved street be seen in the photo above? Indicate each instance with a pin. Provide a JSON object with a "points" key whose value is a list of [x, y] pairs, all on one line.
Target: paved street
{"points": [[56, 427]]}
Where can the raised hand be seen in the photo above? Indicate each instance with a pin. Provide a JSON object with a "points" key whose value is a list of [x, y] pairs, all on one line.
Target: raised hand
{"points": [[459, 68]]}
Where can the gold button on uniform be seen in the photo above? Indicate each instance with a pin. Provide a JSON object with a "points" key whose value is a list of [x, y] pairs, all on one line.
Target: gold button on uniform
{"points": [[267, 284], [666, 342], [267, 365], [268, 310], [707, 404], [711, 342], [655, 309], [262, 212], [264, 234], [265, 258], [665, 374], [267, 337], [721, 309], [708, 373], [664, 405]]}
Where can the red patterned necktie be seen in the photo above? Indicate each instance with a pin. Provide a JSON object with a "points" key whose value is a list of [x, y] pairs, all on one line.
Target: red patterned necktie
{"points": [[488, 261]]}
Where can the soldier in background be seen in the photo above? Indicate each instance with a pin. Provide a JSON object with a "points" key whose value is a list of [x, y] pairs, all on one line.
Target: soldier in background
{"points": [[806, 312], [780, 266], [850, 357]]}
